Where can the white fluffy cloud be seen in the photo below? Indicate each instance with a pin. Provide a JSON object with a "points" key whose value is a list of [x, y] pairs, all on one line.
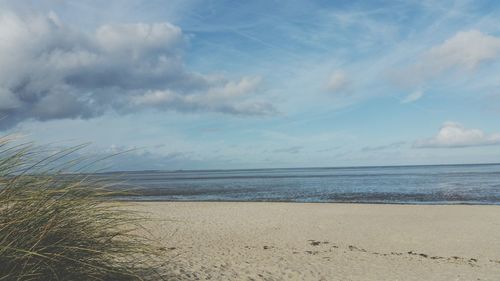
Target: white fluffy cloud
{"points": [[49, 70], [454, 134], [220, 99]]}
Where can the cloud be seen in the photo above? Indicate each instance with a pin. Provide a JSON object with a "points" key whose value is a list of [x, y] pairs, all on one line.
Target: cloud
{"points": [[293, 149], [329, 149], [337, 82], [49, 70], [218, 99], [383, 147], [8, 100], [122, 158], [413, 97], [465, 51], [454, 135]]}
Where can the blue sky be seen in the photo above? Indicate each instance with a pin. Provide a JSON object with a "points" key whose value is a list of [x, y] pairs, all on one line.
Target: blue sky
{"points": [[254, 84]]}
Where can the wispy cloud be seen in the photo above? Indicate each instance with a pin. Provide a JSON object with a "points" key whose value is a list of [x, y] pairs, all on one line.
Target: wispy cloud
{"points": [[464, 52], [329, 149], [337, 82], [413, 97], [466, 49], [293, 149], [383, 147]]}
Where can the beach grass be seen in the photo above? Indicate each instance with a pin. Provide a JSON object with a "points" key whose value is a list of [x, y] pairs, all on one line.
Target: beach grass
{"points": [[56, 225]]}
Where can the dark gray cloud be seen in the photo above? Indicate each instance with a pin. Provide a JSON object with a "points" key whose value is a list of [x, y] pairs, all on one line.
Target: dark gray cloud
{"points": [[49, 70]]}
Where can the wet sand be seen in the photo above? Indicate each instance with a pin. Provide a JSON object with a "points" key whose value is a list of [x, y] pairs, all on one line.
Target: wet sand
{"points": [[295, 241]]}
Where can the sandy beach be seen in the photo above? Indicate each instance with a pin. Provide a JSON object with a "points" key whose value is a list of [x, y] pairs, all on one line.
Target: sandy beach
{"points": [[295, 241]]}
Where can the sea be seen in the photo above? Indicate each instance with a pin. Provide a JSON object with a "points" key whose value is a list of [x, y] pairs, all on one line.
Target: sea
{"points": [[434, 184]]}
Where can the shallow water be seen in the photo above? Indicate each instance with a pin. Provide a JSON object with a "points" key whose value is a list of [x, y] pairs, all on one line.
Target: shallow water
{"points": [[449, 184]]}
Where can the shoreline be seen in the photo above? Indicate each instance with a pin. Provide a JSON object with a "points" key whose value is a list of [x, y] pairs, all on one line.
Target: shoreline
{"points": [[303, 202], [309, 241]]}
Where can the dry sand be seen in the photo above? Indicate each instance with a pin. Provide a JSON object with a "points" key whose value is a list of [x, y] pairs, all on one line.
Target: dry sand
{"points": [[292, 241]]}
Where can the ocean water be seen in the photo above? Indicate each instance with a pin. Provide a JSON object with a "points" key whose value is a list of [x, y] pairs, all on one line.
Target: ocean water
{"points": [[443, 184]]}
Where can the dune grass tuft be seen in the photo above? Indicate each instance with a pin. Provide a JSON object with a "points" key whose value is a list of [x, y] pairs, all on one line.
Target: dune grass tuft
{"points": [[60, 226]]}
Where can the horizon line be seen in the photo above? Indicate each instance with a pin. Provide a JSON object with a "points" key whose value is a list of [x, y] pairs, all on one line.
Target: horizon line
{"points": [[298, 168]]}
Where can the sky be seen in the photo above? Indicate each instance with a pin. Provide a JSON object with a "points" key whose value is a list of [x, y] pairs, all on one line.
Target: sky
{"points": [[190, 84]]}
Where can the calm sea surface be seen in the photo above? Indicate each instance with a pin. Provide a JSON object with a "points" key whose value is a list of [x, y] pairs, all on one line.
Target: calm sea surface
{"points": [[450, 184]]}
